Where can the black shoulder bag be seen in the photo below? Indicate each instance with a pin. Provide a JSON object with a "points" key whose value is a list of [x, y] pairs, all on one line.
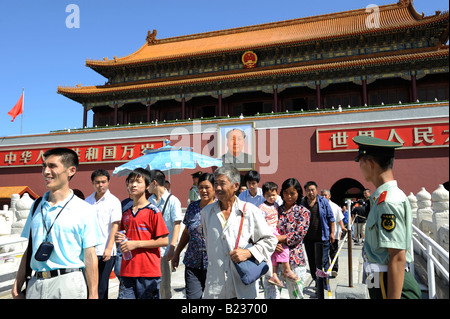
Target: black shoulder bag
{"points": [[30, 248]]}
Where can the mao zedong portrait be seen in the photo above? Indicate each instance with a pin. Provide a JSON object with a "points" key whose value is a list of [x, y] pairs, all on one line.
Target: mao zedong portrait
{"points": [[236, 140]]}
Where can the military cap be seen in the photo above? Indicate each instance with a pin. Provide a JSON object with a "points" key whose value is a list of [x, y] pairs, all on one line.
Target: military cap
{"points": [[197, 174], [374, 146]]}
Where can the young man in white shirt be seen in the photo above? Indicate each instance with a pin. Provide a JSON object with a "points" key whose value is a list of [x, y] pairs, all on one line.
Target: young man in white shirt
{"points": [[109, 214], [254, 194]]}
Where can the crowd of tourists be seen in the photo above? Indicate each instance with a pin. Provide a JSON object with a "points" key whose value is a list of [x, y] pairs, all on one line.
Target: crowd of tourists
{"points": [[75, 244]]}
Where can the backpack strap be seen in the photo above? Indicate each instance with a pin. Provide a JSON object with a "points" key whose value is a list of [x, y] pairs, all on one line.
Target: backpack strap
{"points": [[30, 244], [165, 204]]}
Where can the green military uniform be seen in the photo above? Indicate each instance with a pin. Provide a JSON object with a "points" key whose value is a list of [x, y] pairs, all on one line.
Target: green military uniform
{"points": [[194, 194], [389, 225]]}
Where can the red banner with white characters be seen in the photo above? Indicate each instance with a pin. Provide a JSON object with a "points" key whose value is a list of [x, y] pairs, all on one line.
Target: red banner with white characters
{"points": [[88, 154], [412, 135]]}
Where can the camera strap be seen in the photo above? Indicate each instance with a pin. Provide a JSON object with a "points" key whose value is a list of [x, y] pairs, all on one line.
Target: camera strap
{"points": [[165, 204], [43, 220]]}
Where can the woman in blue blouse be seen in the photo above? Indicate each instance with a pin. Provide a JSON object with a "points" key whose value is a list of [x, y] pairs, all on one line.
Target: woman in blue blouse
{"points": [[195, 259]]}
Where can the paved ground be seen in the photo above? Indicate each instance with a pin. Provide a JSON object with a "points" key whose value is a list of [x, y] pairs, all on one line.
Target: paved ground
{"points": [[178, 284]]}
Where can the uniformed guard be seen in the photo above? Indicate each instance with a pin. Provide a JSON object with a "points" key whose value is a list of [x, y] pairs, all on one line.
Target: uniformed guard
{"points": [[387, 247], [194, 195]]}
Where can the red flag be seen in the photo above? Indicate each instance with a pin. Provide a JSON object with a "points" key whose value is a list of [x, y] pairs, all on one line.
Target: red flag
{"points": [[382, 197], [17, 109]]}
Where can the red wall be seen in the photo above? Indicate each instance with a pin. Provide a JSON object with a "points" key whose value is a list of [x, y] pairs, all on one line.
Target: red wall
{"points": [[296, 157]]}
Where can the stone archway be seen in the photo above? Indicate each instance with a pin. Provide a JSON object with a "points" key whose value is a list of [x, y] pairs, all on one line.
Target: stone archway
{"points": [[346, 188]]}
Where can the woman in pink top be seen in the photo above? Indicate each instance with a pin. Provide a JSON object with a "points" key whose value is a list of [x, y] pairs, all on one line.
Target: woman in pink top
{"points": [[270, 210], [293, 224]]}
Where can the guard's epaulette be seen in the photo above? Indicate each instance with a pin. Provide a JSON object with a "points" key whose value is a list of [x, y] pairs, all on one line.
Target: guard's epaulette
{"points": [[382, 197]]}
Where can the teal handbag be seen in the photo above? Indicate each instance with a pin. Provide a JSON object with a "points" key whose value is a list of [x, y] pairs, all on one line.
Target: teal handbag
{"points": [[249, 270]]}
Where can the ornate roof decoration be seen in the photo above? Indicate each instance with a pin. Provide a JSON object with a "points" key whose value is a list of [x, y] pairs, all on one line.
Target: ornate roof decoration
{"points": [[324, 66], [151, 37]]}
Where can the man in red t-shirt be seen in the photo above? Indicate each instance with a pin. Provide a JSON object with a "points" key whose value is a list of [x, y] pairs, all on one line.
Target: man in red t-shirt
{"points": [[146, 231]]}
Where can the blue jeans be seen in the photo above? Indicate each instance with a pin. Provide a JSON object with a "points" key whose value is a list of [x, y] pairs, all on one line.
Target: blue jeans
{"points": [[118, 262], [195, 282], [139, 288]]}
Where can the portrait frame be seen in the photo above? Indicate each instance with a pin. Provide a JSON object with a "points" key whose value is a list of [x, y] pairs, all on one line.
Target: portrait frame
{"points": [[246, 159]]}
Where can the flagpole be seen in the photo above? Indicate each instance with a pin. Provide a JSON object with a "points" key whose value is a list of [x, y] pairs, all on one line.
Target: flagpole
{"points": [[23, 104]]}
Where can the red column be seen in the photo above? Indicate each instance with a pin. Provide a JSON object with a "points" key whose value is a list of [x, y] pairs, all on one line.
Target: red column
{"points": [[148, 112], [275, 100], [364, 93], [414, 88], [116, 114], [85, 112], [318, 96], [220, 111], [183, 108]]}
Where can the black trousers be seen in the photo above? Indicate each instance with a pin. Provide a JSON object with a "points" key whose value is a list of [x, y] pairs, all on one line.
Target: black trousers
{"points": [[310, 252], [334, 247], [104, 271], [411, 289]]}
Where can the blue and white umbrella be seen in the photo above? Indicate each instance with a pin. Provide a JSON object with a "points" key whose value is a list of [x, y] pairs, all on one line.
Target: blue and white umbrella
{"points": [[169, 159]]}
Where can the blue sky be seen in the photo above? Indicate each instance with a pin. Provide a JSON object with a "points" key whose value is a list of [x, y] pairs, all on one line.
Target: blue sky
{"points": [[39, 53]]}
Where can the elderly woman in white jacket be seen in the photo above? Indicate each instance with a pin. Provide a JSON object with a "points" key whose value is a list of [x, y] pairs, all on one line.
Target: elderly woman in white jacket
{"points": [[220, 223]]}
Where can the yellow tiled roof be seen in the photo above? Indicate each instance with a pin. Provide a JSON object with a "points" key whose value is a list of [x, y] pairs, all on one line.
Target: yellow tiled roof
{"points": [[7, 191], [393, 16]]}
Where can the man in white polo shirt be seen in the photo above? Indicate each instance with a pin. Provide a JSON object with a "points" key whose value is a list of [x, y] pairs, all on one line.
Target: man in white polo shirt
{"points": [[109, 214]]}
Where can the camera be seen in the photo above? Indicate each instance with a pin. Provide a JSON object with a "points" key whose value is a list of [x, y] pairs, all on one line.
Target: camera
{"points": [[44, 251]]}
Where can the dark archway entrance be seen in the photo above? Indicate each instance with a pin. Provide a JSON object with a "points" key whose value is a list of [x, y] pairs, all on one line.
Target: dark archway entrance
{"points": [[346, 188]]}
